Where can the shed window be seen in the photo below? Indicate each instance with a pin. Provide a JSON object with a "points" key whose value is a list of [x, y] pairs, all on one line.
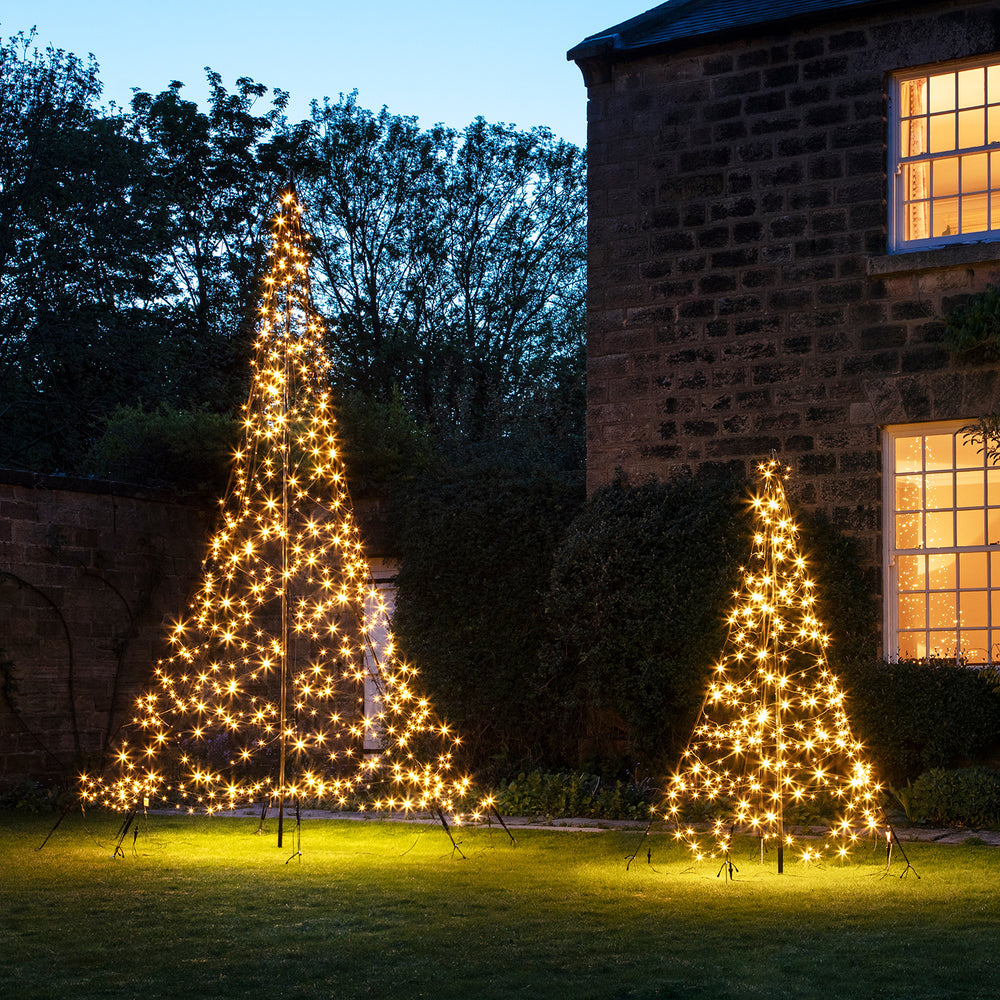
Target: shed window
{"points": [[945, 144]]}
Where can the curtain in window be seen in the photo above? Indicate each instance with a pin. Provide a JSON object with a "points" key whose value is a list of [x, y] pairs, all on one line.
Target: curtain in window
{"points": [[913, 143]]}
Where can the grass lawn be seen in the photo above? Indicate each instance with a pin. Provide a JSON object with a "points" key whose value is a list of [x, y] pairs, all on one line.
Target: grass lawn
{"points": [[204, 908]]}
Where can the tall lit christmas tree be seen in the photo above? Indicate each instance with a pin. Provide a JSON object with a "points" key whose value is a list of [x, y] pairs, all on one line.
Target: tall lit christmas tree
{"points": [[284, 683], [773, 735]]}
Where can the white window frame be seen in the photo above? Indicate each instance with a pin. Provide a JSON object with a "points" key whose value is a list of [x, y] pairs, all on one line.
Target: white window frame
{"points": [[970, 571], [899, 158]]}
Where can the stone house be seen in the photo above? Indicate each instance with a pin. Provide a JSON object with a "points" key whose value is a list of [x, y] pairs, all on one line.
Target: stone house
{"points": [[786, 197]]}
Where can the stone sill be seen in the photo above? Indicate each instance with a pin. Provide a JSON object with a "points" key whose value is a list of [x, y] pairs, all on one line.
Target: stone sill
{"points": [[956, 255]]}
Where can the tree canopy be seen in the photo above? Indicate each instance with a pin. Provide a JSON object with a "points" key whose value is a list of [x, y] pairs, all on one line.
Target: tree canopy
{"points": [[449, 265]]}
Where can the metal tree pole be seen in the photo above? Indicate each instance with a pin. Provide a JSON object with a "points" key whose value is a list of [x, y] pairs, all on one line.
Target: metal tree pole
{"points": [[283, 691]]}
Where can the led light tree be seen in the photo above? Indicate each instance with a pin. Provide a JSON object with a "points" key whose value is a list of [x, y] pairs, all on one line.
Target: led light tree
{"points": [[264, 695], [773, 733]]}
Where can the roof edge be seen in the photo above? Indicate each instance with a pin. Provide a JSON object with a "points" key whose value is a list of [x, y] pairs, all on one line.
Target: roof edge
{"points": [[596, 46]]}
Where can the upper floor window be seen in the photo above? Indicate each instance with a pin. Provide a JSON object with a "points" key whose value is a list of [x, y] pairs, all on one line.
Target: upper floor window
{"points": [[942, 542], [945, 148]]}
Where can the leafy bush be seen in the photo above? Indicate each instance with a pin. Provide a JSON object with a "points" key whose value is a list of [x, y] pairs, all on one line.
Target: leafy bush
{"points": [[381, 441], [845, 592], [968, 796], [913, 716], [569, 794], [33, 797], [476, 551], [636, 610], [187, 451]]}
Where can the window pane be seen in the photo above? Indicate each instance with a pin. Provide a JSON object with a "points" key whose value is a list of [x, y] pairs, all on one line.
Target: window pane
{"points": [[912, 610], [912, 646], [938, 451], [971, 528], [975, 172], [972, 570], [941, 610], [913, 136], [918, 220], [942, 136], [974, 213], [993, 84], [944, 217], [995, 606], [969, 489], [993, 532], [908, 531], [971, 128], [972, 87], [974, 647], [940, 530], [942, 92], [917, 177], [972, 606], [992, 125], [912, 572], [967, 454], [945, 176], [908, 496], [909, 455], [941, 571], [943, 645], [940, 491], [993, 487]]}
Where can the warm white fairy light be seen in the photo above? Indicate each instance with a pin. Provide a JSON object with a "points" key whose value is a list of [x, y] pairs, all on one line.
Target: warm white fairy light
{"points": [[774, 732], [267, 673]]}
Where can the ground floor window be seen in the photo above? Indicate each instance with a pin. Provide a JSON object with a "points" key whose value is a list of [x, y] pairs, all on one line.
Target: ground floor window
{"points": [[942, 545]]}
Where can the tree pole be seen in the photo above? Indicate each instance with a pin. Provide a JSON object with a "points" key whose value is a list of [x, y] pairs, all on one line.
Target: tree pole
{"points": [[283, 689]]}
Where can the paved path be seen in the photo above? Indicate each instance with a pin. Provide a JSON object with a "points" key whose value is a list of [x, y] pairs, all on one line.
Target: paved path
{"points": [[580, 824]]}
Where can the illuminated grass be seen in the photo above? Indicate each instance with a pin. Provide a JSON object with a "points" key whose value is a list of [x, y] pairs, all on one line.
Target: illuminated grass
{"points": [[204, 908]]}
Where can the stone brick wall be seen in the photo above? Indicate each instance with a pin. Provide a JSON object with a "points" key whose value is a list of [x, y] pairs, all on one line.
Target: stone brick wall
{"points": [[89, 574], [741, 300]]}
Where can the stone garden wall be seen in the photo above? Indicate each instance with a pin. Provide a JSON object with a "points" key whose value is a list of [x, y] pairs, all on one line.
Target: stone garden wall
{"points": [[89, 574]]}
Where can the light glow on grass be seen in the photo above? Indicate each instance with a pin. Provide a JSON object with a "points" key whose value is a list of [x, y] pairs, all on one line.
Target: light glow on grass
{"points": [[383, 909]]}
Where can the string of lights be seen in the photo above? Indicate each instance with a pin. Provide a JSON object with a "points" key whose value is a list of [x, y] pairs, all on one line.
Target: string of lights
{"points": [[263, 696], [773, 739]]}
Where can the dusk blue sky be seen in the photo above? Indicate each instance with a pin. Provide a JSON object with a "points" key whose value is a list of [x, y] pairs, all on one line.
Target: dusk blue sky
{"points": [[442, 60]]}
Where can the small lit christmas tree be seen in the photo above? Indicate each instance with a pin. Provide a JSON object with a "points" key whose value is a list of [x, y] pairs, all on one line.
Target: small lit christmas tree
{"points": [[773, 737], [264, 696]]}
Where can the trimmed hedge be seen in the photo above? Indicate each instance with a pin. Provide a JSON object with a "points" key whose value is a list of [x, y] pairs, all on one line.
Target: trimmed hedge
{"points": [[913, 716], [477, 549], [636, 616], [968, 796]]}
